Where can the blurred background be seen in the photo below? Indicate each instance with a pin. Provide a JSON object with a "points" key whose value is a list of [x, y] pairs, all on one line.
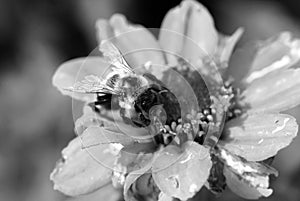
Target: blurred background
{"points": [[36, 120]]}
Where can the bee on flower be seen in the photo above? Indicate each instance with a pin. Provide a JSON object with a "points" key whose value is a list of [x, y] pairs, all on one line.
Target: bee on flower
{"points": [[160, 123]]}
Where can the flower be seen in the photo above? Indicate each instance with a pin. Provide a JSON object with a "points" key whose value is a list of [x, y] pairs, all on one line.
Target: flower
{"points": [[224, 133]]}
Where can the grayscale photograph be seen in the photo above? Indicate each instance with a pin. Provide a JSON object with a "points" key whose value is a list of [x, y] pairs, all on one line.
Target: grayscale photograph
{"points": [[135, 100]]}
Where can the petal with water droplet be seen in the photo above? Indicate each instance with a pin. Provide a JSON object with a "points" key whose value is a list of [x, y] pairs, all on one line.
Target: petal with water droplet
{"points": [[258, 137], [182, 172]]}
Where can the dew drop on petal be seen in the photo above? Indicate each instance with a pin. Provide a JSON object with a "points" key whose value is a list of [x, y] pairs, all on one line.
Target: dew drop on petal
{"points": [[193, 188]]}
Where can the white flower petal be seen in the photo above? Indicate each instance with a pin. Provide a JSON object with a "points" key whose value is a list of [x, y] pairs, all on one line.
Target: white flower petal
{"points": [[258, 137], [226, 45], [171, 36], [164, 197], [97, 136], [202, 32], [136, 43], [274, 54], [188, 30], [76, 70], [274, 92], [181, 173], [80, 171]]}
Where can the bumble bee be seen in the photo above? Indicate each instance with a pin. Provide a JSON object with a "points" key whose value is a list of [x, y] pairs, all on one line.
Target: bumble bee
{"points": [[132, 94]]}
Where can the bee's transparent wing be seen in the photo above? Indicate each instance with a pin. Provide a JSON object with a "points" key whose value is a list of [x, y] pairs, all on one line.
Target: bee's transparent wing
{"points": [[114, 56], [94, 84], [91, 84]]}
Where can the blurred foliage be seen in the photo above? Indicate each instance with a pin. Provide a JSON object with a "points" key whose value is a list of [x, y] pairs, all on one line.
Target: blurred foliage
{"points": [[36, 121]]}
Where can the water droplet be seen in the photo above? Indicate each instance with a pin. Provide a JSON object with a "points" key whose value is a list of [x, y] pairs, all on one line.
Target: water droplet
{"points": [[193, 188], [187, 159], [174, 181], [279, 128], [260, 141]]}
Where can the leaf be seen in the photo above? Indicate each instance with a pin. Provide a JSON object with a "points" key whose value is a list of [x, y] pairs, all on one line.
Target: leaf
{"points": [[182, 172], [274, 92], [258, 137], [80, 172]]}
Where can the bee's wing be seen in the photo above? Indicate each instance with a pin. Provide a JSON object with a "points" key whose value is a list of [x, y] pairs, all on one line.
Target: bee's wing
{"points": [[114, 56], [94, 84], [91, 84]]}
